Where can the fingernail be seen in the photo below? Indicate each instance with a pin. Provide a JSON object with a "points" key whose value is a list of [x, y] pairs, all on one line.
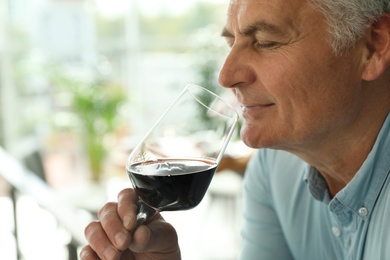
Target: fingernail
{"points": [[126, 222], [120, 239], [109, 253]]}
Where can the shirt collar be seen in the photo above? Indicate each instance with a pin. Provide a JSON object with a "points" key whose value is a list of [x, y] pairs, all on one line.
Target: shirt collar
{"points": [[317, 184], [364, 189]]}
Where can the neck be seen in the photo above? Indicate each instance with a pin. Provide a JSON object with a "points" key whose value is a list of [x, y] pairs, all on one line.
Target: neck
{"points": [[340, 165], [340, 156]]}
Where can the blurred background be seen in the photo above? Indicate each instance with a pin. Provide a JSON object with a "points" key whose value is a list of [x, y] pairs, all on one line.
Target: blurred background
{"points": [[80, 83]]}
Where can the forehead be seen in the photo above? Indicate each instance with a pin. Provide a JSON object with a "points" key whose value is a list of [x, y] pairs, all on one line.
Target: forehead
{"points": [[281, 5], [282, 13]]}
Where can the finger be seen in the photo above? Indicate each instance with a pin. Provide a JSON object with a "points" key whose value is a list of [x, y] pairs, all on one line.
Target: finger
{"points": [[157, 236], [113, 227], [128, 255], [99, 242], [127, 208], [87, 253]]}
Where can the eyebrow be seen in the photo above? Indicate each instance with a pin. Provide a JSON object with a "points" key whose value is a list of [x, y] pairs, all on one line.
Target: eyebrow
{"points": [[226, 33], [253, 28]]}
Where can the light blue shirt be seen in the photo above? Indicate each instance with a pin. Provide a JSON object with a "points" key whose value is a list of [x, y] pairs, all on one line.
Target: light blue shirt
{"points": [[288, 213]]}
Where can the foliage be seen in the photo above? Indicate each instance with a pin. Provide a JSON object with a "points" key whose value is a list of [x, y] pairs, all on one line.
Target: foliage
{"points": [[211, 49], [95, 105]]}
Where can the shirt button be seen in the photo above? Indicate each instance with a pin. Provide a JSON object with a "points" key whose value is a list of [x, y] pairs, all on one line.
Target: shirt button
{"points": [[363, 212], [336, 231]]}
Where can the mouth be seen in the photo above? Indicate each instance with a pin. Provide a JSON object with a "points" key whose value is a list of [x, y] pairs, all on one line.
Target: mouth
{"points": [[253, 110], [245, 107]]}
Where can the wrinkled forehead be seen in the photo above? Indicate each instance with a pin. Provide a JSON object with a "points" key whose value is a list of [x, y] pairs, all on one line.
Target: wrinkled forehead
{"points": [[265, 1], [257, 4], [241, 12]]}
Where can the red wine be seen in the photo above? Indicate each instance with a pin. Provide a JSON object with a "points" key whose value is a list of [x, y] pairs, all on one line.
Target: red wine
{"points": [[175, 184]]}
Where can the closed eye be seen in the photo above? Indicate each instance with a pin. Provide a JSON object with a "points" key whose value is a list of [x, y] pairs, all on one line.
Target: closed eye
{"points": [[265, 45], [230, 42]]}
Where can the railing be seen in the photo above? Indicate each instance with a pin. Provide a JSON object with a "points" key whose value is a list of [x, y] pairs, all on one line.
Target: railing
{"points": [[26, 182]]}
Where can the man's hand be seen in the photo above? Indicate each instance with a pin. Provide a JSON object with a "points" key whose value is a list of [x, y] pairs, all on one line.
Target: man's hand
{"points": [[113, 237]]}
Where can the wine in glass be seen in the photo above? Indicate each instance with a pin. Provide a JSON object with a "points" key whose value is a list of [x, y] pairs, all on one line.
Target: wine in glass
{"points": [[173, 165]]}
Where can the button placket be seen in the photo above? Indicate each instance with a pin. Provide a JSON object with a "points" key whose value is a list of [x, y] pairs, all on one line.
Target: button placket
{"points": [[336, 231], [363, 212]]}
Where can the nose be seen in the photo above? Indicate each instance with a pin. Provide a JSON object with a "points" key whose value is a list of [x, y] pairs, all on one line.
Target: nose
{"points": [[236, 70]]}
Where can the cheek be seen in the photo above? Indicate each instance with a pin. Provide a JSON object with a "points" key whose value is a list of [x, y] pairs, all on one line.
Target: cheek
{"points": [[300, 106], [303, 104], [310, 95], [315, 104]]}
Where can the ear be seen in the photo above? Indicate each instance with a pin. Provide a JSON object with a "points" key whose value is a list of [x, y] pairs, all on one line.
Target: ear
{"points": [[377, 53]]}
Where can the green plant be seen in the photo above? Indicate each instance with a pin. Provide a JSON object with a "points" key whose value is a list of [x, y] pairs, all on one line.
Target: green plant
{"points": [[211, 50], [95, 104]]}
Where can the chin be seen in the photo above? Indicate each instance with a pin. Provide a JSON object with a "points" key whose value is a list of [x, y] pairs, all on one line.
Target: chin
{"points": [[254, 137]]}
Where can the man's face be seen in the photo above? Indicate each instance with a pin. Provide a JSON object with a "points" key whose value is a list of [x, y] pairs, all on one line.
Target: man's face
{"points": [[294, 91]]}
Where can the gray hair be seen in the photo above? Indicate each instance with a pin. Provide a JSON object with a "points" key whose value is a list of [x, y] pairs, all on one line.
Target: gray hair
{"points": [[347, 19]]}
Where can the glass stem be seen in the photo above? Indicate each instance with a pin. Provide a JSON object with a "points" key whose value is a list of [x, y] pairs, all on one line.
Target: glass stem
{"points": [[145, 213]]}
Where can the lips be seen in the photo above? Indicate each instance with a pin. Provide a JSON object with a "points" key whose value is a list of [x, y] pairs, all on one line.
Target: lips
{"points": [[255, 106], [253, 110]]}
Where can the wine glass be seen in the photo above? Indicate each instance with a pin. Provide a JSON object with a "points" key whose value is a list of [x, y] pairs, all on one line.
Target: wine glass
{"points": [[172, 167]]}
